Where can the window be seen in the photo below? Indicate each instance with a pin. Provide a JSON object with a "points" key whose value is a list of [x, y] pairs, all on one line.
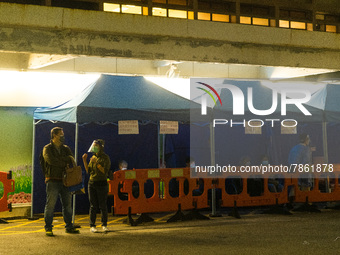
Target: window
{"points": [[330, 28], [245, 20], [260, 22], [177, 14], [132, 9], [111, 7], [203, 16], [220, 17], [284, 23], [159, 12], [297, 25]]}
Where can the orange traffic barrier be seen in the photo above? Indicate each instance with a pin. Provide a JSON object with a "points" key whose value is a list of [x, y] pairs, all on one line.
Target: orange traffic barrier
{"points": [[242, 198], [325, 187], [201, 191], [193, 193], [8, 185], [165, 182]]}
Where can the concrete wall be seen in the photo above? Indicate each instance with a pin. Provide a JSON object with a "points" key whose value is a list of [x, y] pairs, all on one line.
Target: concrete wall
{"points": [[16, 128], [16, 137], [93, 33]]}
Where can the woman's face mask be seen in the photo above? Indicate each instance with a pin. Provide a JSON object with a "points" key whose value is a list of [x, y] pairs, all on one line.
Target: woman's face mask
{"points": [[95, 149]]}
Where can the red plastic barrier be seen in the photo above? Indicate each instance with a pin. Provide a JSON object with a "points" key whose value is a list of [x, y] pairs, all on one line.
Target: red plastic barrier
{"points": [[8, 185], [330, 179], [160, 201]]}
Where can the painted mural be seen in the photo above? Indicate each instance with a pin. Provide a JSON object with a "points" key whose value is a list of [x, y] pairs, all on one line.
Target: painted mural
{"points": [[16, 132]]}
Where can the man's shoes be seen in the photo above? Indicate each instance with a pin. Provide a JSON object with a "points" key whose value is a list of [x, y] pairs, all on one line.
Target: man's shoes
{"points": [[105, 229], [49, 232], [93, 230], [72, 231]]}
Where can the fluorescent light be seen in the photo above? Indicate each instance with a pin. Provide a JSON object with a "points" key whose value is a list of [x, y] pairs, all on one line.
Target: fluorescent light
{"points": [[179, 86], [37, 89]]}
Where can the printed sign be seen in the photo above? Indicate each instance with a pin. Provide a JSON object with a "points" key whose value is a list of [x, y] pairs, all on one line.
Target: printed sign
{"points": [[255, 128], [128, 127], [168, 127], [289, 129]]}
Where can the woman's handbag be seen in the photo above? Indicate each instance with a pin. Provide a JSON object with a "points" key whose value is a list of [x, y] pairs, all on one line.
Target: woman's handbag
{"points": [[73, 176]]}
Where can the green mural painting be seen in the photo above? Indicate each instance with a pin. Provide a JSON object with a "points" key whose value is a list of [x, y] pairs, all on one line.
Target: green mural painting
{"points": [[22, 175], [16, 127]]}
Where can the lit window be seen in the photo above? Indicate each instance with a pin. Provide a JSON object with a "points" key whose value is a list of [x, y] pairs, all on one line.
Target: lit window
{"points": [[203, 16], [297, 25], [260, 22], [191, 15], [220, 17], [177, 14], [320, 16], [132, 9], [309, 26], [245, 20], [273, 23], [284, 23], [111, 7], [145, 11], [159, 12], [330, 28]]}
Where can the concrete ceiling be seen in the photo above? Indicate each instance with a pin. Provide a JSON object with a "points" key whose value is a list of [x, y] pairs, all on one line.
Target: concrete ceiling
{"points": [[163, 68]]}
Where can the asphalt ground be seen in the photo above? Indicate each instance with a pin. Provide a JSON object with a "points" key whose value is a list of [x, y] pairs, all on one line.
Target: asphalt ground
{"points": [[254, 233]]}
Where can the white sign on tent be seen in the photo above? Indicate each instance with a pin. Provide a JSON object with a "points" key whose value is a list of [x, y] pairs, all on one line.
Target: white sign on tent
{"points": [[168, 127], [128, 127]]}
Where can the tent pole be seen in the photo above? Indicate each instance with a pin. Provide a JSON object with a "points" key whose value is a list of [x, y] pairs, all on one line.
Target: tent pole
{"points": [[325, 143], [32, 176], [163, 149], [212, 160], [159, 147], [75, 158], [325, 150]]}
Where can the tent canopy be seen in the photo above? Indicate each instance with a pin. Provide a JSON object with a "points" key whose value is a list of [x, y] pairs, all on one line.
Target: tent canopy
{"points": [[113, 98], [323, 105]]}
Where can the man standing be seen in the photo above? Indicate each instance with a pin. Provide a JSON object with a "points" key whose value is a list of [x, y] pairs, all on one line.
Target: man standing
{"points": [[57, 156], [301, 154]]}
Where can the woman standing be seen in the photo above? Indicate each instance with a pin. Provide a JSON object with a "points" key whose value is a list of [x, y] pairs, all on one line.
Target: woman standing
{"points": [[97, 168]]}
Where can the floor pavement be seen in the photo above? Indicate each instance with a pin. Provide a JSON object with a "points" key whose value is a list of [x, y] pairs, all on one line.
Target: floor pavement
{"points": [[254, 233]]}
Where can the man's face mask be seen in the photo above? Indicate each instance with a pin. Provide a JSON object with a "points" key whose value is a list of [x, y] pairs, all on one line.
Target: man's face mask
{"points": [[62, 139]]}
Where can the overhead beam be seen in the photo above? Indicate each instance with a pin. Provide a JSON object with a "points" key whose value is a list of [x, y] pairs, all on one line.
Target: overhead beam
{"points": [[37, 61], [102, 34]]}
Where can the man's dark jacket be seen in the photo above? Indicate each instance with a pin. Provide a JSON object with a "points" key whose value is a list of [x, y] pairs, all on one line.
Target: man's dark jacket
{"points": [[55, 161]]}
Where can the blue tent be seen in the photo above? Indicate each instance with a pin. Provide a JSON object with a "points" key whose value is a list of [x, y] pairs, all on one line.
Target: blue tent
{"points": [[326, 99], [113, 98], [262, 100], [232, 143], [106, 101]]}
